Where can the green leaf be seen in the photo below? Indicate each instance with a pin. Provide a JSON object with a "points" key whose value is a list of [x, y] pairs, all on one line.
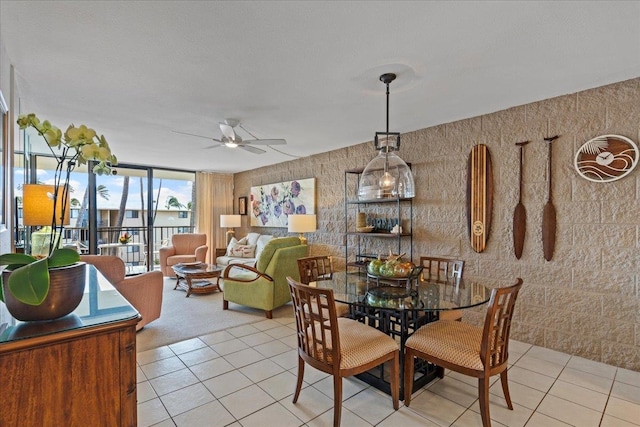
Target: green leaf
{"points": [[17, 259], [30, 283], [63, 257]]}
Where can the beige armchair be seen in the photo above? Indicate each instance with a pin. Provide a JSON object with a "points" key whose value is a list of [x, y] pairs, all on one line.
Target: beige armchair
{"points": [[186, 247], [143, 291]]}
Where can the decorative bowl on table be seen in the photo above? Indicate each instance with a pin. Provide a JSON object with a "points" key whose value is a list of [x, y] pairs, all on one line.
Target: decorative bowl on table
{"points": [[367, 229]]}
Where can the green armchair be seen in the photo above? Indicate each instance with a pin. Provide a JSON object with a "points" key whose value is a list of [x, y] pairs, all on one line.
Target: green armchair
{"points": [[265, 285]]}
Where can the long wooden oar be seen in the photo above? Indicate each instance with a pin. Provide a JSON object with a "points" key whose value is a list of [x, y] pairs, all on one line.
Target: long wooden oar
{"points": [[549, 213], [520, 213]]}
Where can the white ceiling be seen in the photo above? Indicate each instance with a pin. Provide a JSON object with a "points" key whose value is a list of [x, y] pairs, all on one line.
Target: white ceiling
{"points": [[304, 71]]}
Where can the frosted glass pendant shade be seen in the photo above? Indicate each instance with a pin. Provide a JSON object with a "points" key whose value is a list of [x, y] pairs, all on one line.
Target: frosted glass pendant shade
{"points": [[386, 176]]}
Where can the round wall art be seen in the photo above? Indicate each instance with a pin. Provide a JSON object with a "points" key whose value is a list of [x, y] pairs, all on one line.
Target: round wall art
{"points": [[606, 158]]}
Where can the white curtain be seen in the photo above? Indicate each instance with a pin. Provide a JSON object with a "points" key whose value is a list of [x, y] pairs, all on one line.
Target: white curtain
{"points": [[214, 197]]}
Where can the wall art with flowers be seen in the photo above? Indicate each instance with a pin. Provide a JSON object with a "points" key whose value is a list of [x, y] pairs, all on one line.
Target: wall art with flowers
{"points": [[271, 204]]}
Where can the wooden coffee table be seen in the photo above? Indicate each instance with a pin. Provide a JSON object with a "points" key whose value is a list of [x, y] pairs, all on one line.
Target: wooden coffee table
{"points": [[197, 279]]}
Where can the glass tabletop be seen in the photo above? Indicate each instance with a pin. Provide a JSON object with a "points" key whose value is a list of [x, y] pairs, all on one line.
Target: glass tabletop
{"points": [[101, 303], [425, 295], [195, 267]]}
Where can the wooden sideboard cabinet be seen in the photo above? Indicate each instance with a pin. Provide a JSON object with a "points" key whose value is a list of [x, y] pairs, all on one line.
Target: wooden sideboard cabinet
{"points": [[76, 371]]}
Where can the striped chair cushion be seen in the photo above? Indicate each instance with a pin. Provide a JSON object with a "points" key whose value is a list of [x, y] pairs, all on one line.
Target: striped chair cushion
{"points": [[449, 340], [360, 344]]}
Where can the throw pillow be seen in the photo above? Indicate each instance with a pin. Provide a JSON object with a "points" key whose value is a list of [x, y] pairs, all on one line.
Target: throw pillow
{"points": [[233, 243], [252, 238], [243, 251]]}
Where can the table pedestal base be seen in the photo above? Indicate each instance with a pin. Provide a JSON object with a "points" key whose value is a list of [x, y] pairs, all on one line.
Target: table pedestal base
{"points": [[398, 324]]}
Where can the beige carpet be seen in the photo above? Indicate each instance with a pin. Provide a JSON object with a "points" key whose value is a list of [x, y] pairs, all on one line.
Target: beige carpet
{"points": [[183, 318]]}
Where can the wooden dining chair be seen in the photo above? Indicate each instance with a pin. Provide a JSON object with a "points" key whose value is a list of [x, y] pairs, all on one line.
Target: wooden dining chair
{"points": [[468, 349], [442, 270], [336, 345], [316, 268]]}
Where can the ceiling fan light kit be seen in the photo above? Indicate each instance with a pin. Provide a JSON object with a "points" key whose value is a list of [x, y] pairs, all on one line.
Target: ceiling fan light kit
{"points": [[387, 175], [231, 139]]}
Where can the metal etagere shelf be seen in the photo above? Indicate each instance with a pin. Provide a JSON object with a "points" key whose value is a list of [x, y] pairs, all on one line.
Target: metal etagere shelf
{"points": [[360, 246]]}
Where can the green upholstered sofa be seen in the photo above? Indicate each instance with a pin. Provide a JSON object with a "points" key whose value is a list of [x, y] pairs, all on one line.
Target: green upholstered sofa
{"points": [[265, 285]]}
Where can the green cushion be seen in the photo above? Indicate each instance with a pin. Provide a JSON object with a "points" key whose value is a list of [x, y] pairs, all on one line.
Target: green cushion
{"points": [[271, 247]]}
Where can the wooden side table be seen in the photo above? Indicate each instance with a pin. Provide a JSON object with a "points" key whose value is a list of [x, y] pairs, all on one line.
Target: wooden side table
{"points": [[186, 274]]}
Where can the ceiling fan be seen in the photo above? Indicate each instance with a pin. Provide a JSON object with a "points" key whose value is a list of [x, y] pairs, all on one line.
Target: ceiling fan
{"points": [[231, 139]]}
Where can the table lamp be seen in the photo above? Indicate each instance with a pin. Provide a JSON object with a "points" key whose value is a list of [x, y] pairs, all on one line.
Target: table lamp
{"points": [[230, 221], [37, 210], [302, 224]]}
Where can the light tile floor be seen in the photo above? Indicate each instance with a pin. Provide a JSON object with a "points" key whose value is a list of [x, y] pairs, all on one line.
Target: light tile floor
{"points": [[245, 376]]}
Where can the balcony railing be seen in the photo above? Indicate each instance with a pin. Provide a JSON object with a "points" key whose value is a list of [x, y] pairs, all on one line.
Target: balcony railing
{"points": [[133, 254]]}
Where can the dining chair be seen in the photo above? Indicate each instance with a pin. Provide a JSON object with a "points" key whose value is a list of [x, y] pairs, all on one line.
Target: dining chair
{"points": [[336, 345], [468, 349], [316, 268], [442, 270]]}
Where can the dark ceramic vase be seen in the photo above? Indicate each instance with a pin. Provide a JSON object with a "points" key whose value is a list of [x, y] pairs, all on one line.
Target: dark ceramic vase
{"points": [[66, 288]]}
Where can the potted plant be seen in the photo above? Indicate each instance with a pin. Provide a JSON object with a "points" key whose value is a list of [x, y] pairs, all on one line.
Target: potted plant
{"points": [[125, 238], [26, 282]]}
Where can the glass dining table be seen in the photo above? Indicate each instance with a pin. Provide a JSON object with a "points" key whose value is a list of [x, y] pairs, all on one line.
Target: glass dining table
{"points": [[398, 307]]}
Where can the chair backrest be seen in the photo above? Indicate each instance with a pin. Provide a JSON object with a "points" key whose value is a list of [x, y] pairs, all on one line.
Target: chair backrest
{"points": [[316, 325], [314, 268], [111, 267], [494, 349], [441, 269], [270, 249], [187, 243]]}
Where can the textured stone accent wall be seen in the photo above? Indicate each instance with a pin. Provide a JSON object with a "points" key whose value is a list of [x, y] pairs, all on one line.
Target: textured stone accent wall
{"points": [[586, 300]]}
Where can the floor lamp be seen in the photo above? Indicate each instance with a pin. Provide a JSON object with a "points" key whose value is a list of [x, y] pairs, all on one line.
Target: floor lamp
{"points": [[230, 222], [302, 224]]}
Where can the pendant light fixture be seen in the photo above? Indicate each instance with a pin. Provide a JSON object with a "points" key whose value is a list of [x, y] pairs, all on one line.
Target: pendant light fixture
{"points": [[387, 175]]}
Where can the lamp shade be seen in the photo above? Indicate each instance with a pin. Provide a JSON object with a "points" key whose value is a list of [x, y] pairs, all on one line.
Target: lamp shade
{"points": [[387, 175], [37, 205], [230, 221], [302, 223]]}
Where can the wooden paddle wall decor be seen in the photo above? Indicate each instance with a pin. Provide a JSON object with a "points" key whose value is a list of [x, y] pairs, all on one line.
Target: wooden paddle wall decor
{"points": [[519, 213], [549, 212], [479, 196]]}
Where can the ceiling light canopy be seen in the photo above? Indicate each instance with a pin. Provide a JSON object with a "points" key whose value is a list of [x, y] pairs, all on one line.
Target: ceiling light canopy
{"points": [[387, 175]]}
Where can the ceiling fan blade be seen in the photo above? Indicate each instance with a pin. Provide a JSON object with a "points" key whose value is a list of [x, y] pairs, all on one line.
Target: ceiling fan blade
{"points": [[199, 136], [228, 131], [212, 146], [251, 149], [266, 141]]}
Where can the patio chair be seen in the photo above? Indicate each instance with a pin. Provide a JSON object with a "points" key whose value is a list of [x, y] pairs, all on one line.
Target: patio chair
{"points": [[468, 349], [442, 270], [316, 268], [336, 345]]}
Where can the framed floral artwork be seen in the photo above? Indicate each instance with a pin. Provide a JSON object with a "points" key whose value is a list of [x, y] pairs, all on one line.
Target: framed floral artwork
{"points": [[271, 204]]}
